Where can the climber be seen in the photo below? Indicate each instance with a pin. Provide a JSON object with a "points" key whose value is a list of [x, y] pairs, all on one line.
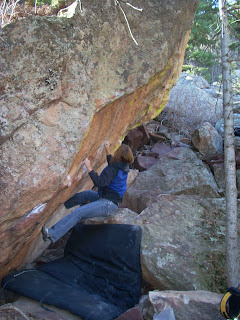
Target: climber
{"points": [[112, 184]]}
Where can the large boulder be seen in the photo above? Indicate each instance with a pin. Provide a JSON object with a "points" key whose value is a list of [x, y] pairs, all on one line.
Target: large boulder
{"points": [[191, 103], [185, 305], [68, 84], [178, 172], [207, 140], [184, 243]]}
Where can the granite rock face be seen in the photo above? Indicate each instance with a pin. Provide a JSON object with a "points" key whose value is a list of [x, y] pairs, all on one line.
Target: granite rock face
{"points": [[67, 85], [184, 243], [186, 305], [191, 103], [207, 141], [178, 172]]}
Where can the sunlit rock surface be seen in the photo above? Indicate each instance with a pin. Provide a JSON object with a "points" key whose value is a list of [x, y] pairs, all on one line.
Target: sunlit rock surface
{"points": [[67, 85]]}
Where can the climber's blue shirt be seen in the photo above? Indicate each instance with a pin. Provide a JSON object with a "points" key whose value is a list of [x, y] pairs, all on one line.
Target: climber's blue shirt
{"points": [[112, 182]]}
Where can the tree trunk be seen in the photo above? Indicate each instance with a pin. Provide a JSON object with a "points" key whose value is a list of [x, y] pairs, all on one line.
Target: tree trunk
{"points": [[229, 155]]}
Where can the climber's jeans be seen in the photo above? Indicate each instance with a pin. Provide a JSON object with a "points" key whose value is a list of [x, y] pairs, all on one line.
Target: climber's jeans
{"points": [[81, 198], [98, 207]]}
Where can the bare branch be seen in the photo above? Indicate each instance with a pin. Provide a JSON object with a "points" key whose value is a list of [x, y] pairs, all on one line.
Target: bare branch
{"points": [[35, 7], [117, 3], [5, 9], [129, 4], [233, 7], [233, 32], [80, 5]]}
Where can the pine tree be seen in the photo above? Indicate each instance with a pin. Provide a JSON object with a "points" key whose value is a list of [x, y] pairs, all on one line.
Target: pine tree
{"points": [[202, 54]]}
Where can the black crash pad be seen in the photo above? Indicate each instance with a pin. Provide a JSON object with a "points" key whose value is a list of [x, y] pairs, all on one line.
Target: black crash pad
{"points": [[99, 276]]}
